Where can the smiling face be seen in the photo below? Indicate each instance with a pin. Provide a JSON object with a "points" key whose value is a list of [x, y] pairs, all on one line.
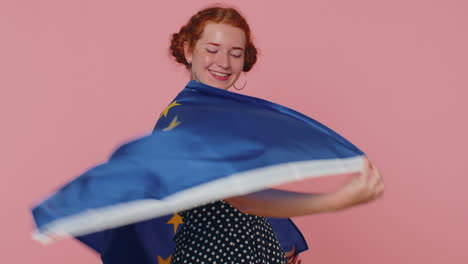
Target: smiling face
{"points": [[218, 56]]}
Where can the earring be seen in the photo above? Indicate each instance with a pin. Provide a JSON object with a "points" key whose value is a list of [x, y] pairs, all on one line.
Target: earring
{"points": [[244, 83]]}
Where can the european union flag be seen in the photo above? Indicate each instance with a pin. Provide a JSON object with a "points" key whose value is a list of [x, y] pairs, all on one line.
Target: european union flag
{"points": [[151, 242], [209, 144]]}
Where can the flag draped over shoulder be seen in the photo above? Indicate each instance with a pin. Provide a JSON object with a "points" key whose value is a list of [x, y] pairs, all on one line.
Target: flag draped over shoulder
{"points": [[208, 144]]}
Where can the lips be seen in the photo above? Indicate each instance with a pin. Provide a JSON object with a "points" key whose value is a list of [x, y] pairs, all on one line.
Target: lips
{"points": [[219, 75]]}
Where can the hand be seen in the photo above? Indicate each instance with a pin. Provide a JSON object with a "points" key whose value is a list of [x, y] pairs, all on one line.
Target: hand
{"points": [[363, 187], [294, 260], [291, 258]]}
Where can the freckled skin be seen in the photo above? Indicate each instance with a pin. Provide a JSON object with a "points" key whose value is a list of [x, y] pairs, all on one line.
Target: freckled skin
{"points": [[222, 56]]}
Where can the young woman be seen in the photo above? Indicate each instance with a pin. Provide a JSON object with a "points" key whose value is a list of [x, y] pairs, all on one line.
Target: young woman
{"points": [[216, 47]]}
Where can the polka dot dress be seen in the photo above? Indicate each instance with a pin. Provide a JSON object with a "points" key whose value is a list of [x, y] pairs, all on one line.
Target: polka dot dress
{"points": [[219, 233]]}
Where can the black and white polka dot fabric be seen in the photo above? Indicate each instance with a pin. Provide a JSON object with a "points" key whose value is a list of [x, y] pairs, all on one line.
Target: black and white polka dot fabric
{"points": [[219, 233]]}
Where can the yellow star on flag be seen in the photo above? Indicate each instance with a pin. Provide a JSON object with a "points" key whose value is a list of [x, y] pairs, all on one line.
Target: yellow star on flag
{"points": [[173, 124], [176, 220], [166, 111], [164, 261]]}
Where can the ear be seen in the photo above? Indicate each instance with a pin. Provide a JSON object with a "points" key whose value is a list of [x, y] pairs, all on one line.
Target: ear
{"points": [[187, 52]]}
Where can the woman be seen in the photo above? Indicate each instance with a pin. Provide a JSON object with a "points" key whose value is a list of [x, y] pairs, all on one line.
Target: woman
{"points": [[216, 47]]}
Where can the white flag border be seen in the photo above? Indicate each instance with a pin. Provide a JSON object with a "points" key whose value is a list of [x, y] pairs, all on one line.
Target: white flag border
{"points": [[95, 220]]}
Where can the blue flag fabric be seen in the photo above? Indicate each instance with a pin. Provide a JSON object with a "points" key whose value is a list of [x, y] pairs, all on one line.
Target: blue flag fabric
{"points": [[208, 144], [151, 242]]}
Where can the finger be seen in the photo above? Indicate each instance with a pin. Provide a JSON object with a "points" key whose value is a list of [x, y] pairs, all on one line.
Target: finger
{"points": [[376, 170], [380, 175], [294, 259], [380, 188], [364, 170], [374, 178], [379, 192], [291, 252], [380, 183], [367, 163], [377, 196]]}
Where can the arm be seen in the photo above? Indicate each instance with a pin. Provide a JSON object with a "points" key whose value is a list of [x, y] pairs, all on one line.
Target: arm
{"points": [[279, 203], [361, 188]]}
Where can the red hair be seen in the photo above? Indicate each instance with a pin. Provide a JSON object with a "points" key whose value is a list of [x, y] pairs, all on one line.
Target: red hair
{"points": [[192, 31]]}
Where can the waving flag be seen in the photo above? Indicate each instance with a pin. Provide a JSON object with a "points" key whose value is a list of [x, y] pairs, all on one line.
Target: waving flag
{"points": [[208, 144]]}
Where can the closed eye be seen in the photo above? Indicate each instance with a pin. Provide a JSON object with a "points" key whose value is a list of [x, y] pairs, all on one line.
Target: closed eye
{"points": [[236, 53], [215, 51]]}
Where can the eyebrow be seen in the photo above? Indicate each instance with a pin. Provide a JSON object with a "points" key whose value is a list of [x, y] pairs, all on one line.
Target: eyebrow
{"points": [[216, 44]]}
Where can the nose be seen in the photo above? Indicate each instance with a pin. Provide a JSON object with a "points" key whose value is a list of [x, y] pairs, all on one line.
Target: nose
{"points": [[222, 60]]}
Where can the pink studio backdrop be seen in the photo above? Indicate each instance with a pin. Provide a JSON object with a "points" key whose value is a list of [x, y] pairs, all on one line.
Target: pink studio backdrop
{"points": [[78, 78]]}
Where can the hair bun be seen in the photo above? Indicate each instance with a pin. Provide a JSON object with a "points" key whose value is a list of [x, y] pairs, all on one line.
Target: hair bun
{"points": [[191, 32]]}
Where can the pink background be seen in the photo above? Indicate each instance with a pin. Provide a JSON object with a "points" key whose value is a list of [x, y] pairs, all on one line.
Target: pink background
{"points": [[78, 78]]}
